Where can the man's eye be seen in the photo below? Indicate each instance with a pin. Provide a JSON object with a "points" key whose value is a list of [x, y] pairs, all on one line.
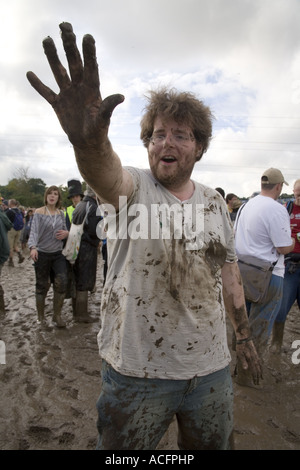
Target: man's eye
{"points": [[179, 137]]}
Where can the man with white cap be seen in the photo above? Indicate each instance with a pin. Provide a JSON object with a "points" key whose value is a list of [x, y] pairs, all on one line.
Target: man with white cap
{"points": [[262, 230]]}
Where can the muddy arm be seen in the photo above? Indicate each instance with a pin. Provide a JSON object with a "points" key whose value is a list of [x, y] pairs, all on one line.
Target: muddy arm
{"points": [[234, 300], [84, 115]]}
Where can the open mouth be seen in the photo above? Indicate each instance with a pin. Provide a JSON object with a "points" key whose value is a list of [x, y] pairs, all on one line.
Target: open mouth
{"points": [[168, 159]]}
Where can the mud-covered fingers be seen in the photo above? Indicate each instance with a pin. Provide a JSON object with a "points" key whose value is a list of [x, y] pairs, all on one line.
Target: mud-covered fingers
{"points": [[250, 360], [42, 89], [59, 72], [256, 370], [72, 52], [254, 363], [91, 71]]}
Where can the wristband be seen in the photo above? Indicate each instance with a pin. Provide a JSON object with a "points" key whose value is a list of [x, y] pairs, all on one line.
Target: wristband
{"points": [[244, 340]]}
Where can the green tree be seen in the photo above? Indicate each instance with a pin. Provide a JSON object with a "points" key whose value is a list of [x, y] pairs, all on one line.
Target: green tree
{"points": [[29, 192]]}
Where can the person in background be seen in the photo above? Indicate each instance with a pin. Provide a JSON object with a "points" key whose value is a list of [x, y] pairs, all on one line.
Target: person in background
{"points": [[4, 206], [26, 230], [262, 230], [14, 215], [85, 267], [230, 199], [5, 226], [221, 191], [48, 230], [162, 339], [234, 209], [75, 194], [291, 282]]}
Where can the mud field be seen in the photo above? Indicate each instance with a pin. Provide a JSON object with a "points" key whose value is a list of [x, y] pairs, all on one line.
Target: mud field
{"points": [[50, 381]]}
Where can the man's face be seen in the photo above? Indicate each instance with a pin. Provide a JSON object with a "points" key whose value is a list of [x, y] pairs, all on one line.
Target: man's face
{"points": [[172, 152], [76, 199], [297, 193]]}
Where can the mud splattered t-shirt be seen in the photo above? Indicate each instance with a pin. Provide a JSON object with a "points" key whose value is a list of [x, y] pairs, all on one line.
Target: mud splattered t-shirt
{"points": [[162, 311]]}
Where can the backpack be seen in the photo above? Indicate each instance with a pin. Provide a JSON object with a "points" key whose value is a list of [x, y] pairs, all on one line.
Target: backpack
{"points": [[18, 221]]}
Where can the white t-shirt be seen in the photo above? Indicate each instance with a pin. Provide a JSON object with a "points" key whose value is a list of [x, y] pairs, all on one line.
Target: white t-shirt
{"points": [[262, 225], [162, 311]]}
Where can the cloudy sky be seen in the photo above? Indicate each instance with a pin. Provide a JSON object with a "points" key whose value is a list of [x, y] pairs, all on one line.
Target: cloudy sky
{"points": [[241, 57]]}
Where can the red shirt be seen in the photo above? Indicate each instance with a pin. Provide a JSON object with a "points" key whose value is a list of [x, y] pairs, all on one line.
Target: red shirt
{"points": [[295, 226]]}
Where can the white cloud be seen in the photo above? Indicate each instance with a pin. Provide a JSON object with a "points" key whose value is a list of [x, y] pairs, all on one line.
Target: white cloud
{"points": [[241, 57]]}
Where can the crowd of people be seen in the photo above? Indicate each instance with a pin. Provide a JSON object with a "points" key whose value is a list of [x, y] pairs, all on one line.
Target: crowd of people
{"points": [[162, 340], [44, 232]]}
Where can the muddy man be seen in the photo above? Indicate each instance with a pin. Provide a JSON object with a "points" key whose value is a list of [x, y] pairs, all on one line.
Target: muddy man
{"points": [[163, 337]]}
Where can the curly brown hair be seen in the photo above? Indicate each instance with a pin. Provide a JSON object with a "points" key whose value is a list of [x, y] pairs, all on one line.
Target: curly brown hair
{"points": [[183, 107]]}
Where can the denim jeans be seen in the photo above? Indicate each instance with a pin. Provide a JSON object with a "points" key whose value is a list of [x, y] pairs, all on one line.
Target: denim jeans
{"points": [[134, 413], [291, 290], [262, 316]]}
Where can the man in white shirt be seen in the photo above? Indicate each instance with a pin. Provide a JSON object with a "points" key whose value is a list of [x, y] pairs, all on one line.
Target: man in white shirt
{"points": [[163, 330], [262, 230]]}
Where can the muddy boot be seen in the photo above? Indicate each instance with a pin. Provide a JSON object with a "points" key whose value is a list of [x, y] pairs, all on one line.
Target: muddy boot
{"points": [[277, 337], [2, 305], [21, 257], [40, 307], [58, 300], [11, 262], [81, 309]]}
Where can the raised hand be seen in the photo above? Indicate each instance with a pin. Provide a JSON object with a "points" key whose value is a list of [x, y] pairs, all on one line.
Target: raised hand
{"points": [[82, 113]]}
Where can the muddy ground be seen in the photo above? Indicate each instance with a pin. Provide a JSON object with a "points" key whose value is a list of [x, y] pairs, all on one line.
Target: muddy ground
{"points": [[50, 381]]}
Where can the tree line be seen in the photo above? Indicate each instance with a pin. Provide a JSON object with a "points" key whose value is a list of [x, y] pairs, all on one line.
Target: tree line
{"points": [[29, 192]]}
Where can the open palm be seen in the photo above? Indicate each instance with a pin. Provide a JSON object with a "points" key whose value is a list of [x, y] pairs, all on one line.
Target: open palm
{"points": [[82, 113]]}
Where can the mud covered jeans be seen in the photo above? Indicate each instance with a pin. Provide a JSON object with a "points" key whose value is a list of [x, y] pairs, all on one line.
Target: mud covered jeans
{"points": [[134, 413], [262, 316], [51, 267]]}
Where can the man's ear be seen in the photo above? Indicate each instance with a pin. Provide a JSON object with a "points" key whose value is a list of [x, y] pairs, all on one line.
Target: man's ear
{"points": [[199, 152]]}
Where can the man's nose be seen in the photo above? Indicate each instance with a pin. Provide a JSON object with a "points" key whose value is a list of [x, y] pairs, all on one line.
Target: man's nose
{"points": [[169, 139]]}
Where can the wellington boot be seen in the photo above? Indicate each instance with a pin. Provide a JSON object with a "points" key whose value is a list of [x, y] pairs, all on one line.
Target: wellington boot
{"points": [[81, 308], [40, 307], [2, 305], [58, 300], [21, 258], [277, 337]]}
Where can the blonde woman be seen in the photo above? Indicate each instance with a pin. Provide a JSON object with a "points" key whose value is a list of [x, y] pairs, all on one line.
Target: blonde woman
{"points": [[48, 230]]}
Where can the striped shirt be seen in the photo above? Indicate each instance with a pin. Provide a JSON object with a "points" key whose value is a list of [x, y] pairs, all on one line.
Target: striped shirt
{"points": [[43, 230]]}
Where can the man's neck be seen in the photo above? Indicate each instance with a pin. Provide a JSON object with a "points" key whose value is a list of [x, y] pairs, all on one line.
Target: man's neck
{"points": [[183, 193], [272, 194]]}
